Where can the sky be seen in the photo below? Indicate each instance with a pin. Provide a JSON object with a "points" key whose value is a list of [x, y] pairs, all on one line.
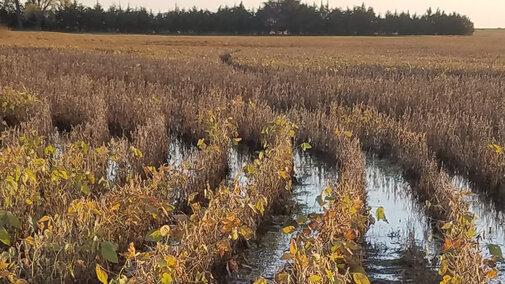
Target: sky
{"points": [[484, 13]]}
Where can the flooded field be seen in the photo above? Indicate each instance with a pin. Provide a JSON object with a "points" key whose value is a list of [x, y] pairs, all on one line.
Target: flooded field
{"points": [[263, 258], [490, 223], [179, 152], [400, 248]]}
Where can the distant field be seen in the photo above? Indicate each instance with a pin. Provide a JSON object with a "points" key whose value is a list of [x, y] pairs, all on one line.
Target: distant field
{"points": [[198, 159], [484, 50]]}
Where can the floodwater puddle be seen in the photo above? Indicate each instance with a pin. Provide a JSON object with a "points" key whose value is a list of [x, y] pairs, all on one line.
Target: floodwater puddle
{"points": [[238, 157], [180, 152], [490, 222], [400, 248], [263, 257]]}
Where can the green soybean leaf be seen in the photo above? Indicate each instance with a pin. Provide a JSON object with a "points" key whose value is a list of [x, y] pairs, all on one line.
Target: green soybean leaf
{"points": [[4, 236], [495, 251], [154, 236], [13, 220], [108, 251], [85, 189]]}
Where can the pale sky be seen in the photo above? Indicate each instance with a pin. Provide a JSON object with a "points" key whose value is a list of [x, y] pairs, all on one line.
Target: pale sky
{"points": [[484, 13]]}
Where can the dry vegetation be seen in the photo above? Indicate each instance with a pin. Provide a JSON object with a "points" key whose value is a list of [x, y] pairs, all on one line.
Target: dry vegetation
{"points": [[86, 195]]}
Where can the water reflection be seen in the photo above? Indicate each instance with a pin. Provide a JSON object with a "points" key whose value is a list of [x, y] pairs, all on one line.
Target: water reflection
{"points": [[406, 233], [406, 223], [490, 223], [238, 157], [263, 256], [179, 152]]}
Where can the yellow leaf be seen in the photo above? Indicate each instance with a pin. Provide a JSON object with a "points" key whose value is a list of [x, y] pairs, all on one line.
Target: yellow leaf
{"points": [[259, 206], [91, 178], [360, 278], [101, 275], [192, 197], [49, 150], [284, 278], [496, 148], [234, 234], [443, 268], [261, 280], [201, 144], [171, 261], [165, 230], [492, 274], [131, 252], [456, 280], [166, 278], [287, 256], [44, 219], [3, 265], [302, 260], [21, 281], [380, 214], [336, 255], [288, 229], [283, 174], [30, 175], [447, 226], [246, 232], [115, 207], [348, 133], [292, 247], [63, 174], [136, 152], [446, 279], [30, 240], [315, 278]]}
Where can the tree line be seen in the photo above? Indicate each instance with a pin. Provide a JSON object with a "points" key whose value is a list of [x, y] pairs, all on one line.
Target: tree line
{"points": [[273, 17]]}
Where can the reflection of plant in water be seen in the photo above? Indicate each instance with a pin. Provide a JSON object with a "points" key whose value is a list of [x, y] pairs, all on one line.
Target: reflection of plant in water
{"points": [[413, 257], [394, 234], [326, 247]]}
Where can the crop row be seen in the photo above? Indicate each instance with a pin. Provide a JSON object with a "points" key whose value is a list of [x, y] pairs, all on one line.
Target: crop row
{"points": [[119, 110]]}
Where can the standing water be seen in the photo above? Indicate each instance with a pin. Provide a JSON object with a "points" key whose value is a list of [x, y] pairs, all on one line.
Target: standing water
{"points": [[400, 244], [400, 247], [179, 152], [490, 223], [263, 257], [238, 157]]}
